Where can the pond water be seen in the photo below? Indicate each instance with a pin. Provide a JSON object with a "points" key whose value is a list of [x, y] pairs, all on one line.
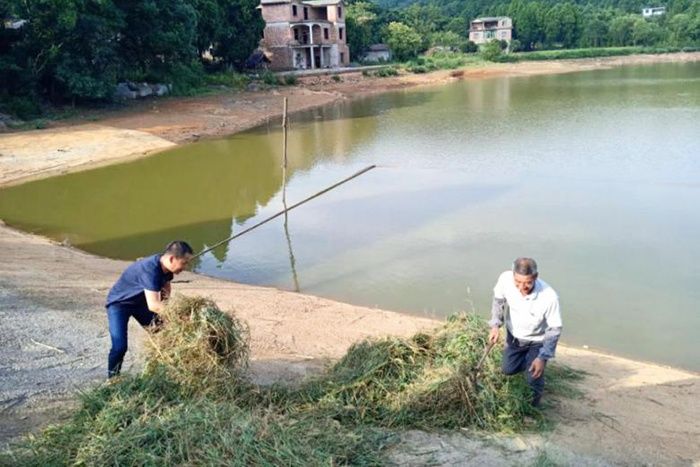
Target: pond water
{"points": [[594, 174]]}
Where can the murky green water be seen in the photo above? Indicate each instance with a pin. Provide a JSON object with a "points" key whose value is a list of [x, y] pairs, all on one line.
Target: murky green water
{"points": [[595, 174]]}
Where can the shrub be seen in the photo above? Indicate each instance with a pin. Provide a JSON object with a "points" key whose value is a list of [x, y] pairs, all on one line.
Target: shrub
{"points": [[25, 107], [386, 72], [228, 79], [470, 47], [417, 69], [269, 78], [491, 51]]}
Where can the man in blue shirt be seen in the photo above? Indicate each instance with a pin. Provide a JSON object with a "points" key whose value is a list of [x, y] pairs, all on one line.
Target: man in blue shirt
{"points": [[141, 292]]}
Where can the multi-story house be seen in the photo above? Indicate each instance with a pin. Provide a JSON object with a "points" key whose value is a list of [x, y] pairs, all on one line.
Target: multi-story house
{"points": [[305, 34], [653, 11], [483, 30]]}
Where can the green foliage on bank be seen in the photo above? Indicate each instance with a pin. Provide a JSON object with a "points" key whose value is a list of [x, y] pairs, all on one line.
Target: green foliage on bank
{"points": [[598, 52], [192, 404], [444, 60], [76, 51]]}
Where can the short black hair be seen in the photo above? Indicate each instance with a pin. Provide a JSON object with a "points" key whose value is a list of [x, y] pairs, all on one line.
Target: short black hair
{"points": [[178, 249], [525, 267]]}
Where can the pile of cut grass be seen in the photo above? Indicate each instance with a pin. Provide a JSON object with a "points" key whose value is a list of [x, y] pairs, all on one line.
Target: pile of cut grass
{"points": [[199, 346], [426, 382], [192, 406]]}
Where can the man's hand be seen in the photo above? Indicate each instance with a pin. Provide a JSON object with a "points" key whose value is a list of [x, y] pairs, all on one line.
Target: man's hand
{"points": [[537, 368], [165, 291], [494, 334]]}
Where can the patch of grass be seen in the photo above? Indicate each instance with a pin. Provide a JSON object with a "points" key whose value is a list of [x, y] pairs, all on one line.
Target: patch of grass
{"points": [[543, 460], [191, 404], [229, 79], [444, 60], [336, 78], [386, 72], [564, 54], [269, 78], [290, 80]]}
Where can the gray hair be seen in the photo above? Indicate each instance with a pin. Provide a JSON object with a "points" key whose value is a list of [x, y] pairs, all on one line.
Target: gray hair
{"points": [[525, 267]]}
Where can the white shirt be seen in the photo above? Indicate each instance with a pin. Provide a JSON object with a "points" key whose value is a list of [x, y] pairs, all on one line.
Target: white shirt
{"points": [[528, 317]]}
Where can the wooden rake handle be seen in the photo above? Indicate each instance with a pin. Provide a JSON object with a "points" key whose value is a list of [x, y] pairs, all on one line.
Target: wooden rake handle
{"points": [[487, 351]]}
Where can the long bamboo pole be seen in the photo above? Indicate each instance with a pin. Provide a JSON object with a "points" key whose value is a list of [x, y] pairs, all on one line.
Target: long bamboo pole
{"points": [[284, 154], [306, 200]]}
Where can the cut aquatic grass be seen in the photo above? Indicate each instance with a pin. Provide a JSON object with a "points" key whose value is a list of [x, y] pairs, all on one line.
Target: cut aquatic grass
{"points": [[191, 405], [424, 382], [199, 346], [146, 420]]}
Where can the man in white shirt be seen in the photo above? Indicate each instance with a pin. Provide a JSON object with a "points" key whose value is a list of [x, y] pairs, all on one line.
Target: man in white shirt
{"points": [[529, 307]]}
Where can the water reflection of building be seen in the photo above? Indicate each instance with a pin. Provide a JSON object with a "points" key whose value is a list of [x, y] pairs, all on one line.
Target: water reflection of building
{"points": [[485, 95], [325, 134]]}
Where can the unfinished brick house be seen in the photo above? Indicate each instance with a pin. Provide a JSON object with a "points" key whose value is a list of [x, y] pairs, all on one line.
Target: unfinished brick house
{"points": [[305, 34]]}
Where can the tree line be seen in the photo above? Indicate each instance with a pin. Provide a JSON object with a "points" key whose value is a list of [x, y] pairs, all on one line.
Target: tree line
{"points": [[410, 28], [76, 51]]}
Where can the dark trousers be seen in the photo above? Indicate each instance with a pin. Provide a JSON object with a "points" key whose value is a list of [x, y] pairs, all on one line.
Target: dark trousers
{"points": [[517, 357], [118, 318]]}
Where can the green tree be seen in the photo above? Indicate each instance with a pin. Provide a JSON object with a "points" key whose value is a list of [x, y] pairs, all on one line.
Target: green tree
{"points": [[621, 30], [448, 39], [241, 32], [458, 25], [491, 51], [646, 32], [361, 24], [404, 41], [595, 25], [684, 30], [70, 48], [562, 25], [211, 23], [158, 42], [528, 22]]}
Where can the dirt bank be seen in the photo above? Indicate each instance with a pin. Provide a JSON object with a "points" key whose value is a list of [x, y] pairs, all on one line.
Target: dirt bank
{"points": [[154, 125], [54, 343]]}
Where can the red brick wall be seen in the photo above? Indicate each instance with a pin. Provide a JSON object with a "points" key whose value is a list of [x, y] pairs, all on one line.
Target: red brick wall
{"points": [[279, 34], [281, 58], [277, 12]]}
